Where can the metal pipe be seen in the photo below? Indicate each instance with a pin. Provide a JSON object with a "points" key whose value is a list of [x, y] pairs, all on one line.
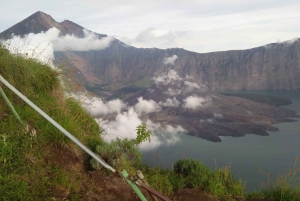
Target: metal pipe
{"points": [[152, 191], [54, 123], [140, 175], [124, 174], [133, 186], [11, 106]]}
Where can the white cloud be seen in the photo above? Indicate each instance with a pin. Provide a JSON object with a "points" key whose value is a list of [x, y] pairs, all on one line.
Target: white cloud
{"points": [[41, 46], [162, 135], [38, 46], [173, 92], [194, 102], [170, 102], [124, 126], [128, 118], [152, 37], [218, 116], [191, 85], [290, 42], [89, 42], [146, 106], [95, 106], [170, 60], [167, 78]]}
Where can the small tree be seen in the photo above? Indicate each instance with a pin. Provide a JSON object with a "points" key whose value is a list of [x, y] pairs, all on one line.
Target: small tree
{"points": [[123, 154], [143, 134]]}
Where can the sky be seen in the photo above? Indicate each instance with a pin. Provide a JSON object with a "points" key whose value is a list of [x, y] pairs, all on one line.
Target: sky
{"points": [[195, 25]]}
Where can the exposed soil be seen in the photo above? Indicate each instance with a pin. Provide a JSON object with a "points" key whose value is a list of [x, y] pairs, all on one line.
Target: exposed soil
{"points": [[102, 186], [192, 195]]}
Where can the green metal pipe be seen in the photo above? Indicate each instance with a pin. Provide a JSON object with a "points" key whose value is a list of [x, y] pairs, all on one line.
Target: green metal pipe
{"points": [[11, 106], [54, 123], [133, 186]]}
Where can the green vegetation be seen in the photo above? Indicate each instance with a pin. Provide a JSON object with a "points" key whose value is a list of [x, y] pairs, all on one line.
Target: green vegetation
{"points": [[189, 173], [123, 154], [30, 168], [219, 182], [285, 187]]}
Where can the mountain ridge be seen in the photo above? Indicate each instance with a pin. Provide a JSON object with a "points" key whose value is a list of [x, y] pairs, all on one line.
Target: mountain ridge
{"points": [[272, 66], [42, 22]]}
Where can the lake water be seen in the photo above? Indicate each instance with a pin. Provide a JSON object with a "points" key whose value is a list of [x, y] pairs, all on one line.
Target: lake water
{"points": [[247, 156]]}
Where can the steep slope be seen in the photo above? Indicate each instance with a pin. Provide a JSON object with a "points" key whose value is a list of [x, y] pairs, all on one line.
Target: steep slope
{"points": [[39, 22], [39, 163], [274, 66]]}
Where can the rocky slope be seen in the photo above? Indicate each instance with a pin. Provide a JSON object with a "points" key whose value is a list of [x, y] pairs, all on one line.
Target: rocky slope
{"points": [[274, 66]]}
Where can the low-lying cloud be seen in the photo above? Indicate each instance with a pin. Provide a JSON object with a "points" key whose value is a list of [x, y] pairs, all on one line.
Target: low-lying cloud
{"points": [[192, 85], [193, 102], [170, 60], [42, 45], [170, 102], [146, 106], [90, 41], [179, 85], [218, 116], [95, 106], [126, 119], [124, 126], [167, 78]]}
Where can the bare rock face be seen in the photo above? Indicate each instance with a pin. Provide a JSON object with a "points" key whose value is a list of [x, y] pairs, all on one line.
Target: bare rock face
{"points": [[274, 66]]}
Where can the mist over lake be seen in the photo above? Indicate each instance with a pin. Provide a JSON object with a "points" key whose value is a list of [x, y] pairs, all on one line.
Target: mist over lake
{"points": [[248, 156]]}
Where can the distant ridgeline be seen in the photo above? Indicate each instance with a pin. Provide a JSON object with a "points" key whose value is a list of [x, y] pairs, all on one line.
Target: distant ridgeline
{"points": [[273, 66]]}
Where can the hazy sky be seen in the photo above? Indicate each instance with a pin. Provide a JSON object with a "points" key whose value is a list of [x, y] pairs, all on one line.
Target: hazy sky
{"points": [[200, 26]]}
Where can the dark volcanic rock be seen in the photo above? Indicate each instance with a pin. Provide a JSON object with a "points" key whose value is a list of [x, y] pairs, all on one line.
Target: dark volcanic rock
{"points": [[271, 100], [219, 115]]}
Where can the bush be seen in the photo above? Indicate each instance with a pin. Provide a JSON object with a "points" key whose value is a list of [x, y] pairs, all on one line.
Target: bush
{"points": [[120, 154], [123, 154], [159, 180], [193, 174]]}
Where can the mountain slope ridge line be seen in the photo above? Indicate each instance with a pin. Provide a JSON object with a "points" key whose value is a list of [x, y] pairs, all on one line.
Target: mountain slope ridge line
{"points": [[273, 66]]}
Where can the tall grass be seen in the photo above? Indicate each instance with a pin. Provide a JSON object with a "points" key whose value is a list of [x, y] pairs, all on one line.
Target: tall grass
{"points": [[189, 173], [286, 187], [25, 170]]}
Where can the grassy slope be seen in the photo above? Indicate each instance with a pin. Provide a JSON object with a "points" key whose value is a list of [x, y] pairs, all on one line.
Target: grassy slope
{"points": [[46, 166]]}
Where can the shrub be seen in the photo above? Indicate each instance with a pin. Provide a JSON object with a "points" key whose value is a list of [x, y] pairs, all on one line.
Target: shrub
{"points": [[159, 180], [123, 154], [191, 173], [195, 173], [120, 154]]}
